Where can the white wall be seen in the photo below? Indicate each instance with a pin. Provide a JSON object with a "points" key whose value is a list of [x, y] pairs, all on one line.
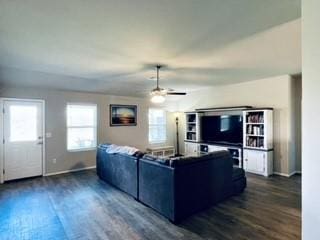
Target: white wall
{"points": [[56, 101], [273, 92], [310, 119], [258, 93]]}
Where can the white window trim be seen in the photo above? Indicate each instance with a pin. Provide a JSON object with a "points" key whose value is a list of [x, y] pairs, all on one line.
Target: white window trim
{"points": [[94, 126], [166, 137]]}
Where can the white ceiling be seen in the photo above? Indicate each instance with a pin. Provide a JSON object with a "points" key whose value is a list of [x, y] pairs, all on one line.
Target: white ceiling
{"points": [[111, 45]]}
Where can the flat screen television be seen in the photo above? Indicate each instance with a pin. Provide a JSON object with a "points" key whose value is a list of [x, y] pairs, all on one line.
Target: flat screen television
{"points": [[222, 129]]}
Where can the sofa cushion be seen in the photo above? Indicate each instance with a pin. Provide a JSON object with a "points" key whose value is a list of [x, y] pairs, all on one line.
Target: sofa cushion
{"points": [[184, 160], [161, 160], [192, 159]]}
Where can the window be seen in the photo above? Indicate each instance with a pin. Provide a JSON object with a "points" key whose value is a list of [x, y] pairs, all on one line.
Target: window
{"points": [[81, 127], [23, 123], [157, 126]]}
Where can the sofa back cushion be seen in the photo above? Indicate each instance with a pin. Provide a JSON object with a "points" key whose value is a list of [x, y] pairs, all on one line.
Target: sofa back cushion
{"points": [[160, 160], [193, 159], [185, 160]]}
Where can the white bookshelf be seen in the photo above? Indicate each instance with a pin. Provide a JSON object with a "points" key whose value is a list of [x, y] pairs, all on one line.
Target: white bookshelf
{"points": [[258, 129], [258, 141], [192, 126], [192, 134]]}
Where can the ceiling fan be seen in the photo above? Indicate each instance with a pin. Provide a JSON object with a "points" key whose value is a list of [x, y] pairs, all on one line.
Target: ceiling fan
{"points": [[158, 94]]}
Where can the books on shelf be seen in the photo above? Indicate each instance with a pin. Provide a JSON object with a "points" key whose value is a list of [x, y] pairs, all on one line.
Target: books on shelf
{"points": [[254, 142], [255, 118], [255, 130], [191, 136], [191, 127]]}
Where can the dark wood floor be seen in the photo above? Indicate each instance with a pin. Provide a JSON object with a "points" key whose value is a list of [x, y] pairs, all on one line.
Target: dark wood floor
{"points": [[80, 206]]}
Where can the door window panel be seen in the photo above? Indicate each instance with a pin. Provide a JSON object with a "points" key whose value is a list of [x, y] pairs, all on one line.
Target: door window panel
{"points": [[23, 123]]}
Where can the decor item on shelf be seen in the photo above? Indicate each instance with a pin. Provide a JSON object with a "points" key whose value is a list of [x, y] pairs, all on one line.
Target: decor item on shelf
{"points": [[158, 95], [123, 115]]}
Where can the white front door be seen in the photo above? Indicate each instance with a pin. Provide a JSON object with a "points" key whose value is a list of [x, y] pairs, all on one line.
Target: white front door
{"points": [[23, 140]]}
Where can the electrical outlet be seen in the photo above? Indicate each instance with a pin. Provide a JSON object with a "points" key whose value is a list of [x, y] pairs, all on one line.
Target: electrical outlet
{"points": [[48, 135], [54, 160]]}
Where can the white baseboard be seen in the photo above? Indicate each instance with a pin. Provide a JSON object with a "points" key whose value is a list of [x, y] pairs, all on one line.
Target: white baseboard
{"points": [[69, 171], [285, 174]]}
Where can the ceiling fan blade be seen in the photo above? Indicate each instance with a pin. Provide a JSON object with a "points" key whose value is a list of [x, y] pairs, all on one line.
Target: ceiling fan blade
{"points": [[176, 93]]}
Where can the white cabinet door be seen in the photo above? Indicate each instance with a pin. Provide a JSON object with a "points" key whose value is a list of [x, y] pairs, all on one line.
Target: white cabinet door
{"points": [[191, 149], [254, 161], [261, 157]]}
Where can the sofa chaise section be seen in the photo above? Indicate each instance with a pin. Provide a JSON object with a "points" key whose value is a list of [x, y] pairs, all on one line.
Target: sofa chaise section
{"points": [[180, 188]]}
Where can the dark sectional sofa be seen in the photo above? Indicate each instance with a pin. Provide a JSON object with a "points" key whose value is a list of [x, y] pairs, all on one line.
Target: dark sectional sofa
{"points": [[119, 170], [176, 188]]}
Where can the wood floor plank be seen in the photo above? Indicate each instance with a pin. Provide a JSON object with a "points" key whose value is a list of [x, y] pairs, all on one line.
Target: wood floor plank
{"points": [[80, 206]]}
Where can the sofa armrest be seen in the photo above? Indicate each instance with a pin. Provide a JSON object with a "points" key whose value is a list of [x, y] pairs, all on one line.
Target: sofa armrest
{"points": [[119, 170]]}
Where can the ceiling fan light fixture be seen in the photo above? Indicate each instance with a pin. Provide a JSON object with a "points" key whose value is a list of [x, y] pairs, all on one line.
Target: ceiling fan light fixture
{"points": [[157, 97]]}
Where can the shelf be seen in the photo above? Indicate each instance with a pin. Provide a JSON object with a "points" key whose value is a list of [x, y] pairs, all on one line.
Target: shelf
{"points": [[254, 135], [237, 158], [191, 122], [190, 140], [255, 123], [255, 148], [191, 131]]}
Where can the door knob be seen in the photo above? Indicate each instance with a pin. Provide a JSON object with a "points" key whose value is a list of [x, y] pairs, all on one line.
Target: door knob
{"points": [[40, 143]]}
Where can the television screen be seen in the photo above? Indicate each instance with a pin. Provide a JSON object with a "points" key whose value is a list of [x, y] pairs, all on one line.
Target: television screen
{"points": [[222, 129]]}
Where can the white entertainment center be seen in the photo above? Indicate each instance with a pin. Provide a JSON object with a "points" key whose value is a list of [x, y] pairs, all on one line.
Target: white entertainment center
{"points": [[255, 151]]}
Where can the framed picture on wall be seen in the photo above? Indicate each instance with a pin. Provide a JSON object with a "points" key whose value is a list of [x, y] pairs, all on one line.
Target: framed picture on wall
{"points": [[123, 115]]}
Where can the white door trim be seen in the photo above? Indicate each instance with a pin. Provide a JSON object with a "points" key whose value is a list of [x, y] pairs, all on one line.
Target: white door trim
{"points": [[2, 100]]}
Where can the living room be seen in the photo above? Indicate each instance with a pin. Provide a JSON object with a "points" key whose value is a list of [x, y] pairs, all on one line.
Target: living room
{"points": [[105, 72]]}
